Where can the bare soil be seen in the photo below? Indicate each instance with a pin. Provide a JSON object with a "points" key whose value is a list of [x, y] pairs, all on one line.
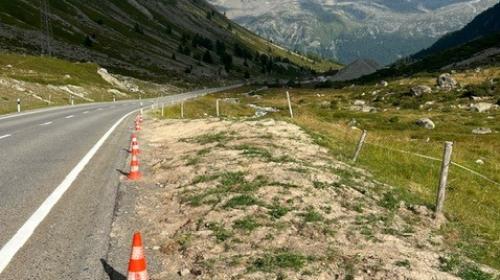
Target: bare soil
{"points": [[259, 199]]}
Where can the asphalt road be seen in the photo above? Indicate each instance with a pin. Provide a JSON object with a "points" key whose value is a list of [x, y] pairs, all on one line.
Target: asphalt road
{"points": [[56, 209]]}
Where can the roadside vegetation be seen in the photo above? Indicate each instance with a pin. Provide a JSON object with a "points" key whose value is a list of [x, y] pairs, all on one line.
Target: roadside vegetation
{"points": [[396, 148], [40, 82]]}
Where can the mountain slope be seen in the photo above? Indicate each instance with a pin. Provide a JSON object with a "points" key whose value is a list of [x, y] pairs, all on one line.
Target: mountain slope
{"points": [[153, 39], [383, 30], [484, 24]]}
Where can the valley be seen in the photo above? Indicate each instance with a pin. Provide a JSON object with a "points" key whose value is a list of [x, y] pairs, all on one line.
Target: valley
{"points": [[342, 140]]}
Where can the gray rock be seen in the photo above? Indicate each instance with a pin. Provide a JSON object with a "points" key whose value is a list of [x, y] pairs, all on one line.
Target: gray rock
{"points": [[325, 104], [480, 161], [420, 90], [482, 107], [363, 108], [384, 83], [359, 102], [231, 100], [482, 130], [426, 123], [352, 123], [184, 272], [446, 81]]}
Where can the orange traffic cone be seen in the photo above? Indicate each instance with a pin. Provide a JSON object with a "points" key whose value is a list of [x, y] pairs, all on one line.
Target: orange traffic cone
{"points": [[137, 264], [134, 145], [134, 169], [135, 148], [137, 126]]}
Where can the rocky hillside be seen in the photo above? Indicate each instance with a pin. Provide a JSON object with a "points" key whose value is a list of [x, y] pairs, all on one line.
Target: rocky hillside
{"points": [[155, 39], [485, 24], [384, 30]]}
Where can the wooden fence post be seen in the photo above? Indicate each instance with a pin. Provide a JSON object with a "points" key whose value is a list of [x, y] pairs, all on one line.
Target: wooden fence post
{"points": [[359, 146], [289, 104], [182, 109], [445, 165]]}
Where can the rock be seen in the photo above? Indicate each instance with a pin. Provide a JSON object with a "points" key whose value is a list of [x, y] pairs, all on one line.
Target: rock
{"points": [[446, 81], [359, 102], [429, 103], [420, 90], [363, 108], [352, 123], [184, 272], [67, 76], [231, 100], [426, 123], [19, 88], [384, 83], [480, 161], [482, 130], [481, 107], [325, 104]]}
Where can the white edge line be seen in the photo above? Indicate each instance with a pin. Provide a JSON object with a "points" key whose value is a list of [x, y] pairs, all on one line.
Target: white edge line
{"points": [[69, 117], [10, 249], [5, 136], [46, 123]]}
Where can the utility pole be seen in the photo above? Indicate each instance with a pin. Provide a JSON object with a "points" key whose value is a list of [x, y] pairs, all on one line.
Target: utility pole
{"points": [[46, 30]]}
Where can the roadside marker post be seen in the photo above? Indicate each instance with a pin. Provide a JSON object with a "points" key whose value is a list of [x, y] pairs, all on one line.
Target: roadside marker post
{"points": [[359, 146], [162, 109], [443, 180], [289, 104], [217, 107], [19, 105]]}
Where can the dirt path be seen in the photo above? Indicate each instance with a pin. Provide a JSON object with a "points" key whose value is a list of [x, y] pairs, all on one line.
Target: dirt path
{"points": [[260, 200]]}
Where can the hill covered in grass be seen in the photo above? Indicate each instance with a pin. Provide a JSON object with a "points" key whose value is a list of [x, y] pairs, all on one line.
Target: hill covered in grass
{"points": [[156, 40]]}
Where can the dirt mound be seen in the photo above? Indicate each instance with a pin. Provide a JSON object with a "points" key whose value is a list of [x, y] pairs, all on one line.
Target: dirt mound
{"points": [[260, 200]]}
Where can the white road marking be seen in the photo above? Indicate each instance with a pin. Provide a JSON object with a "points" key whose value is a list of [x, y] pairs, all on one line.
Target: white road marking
{"points": [[5, 136], [47, 123], [10, 249], [69, 117], [99, 109], [86, 112]]}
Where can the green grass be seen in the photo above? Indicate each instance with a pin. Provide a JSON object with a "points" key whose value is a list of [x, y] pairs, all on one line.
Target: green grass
{"points": [[247, 224], [285, 259], [221, 234], [241, 201], [472, 203]]}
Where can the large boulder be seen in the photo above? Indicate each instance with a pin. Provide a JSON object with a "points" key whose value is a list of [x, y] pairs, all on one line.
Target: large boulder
{"points": [[482, 107], [420, 90], [446, 81], [426, 123]]}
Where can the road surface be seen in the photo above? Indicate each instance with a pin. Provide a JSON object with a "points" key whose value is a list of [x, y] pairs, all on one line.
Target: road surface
{"points": [[59, 172]]}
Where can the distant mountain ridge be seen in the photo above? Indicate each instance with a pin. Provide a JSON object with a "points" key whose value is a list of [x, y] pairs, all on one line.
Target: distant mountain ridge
{"points": [[151, 39], [485, 24], [346, 30]]}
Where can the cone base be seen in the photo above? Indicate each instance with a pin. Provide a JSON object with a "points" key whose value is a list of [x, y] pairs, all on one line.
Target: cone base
{"points": [[134, 176]]}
